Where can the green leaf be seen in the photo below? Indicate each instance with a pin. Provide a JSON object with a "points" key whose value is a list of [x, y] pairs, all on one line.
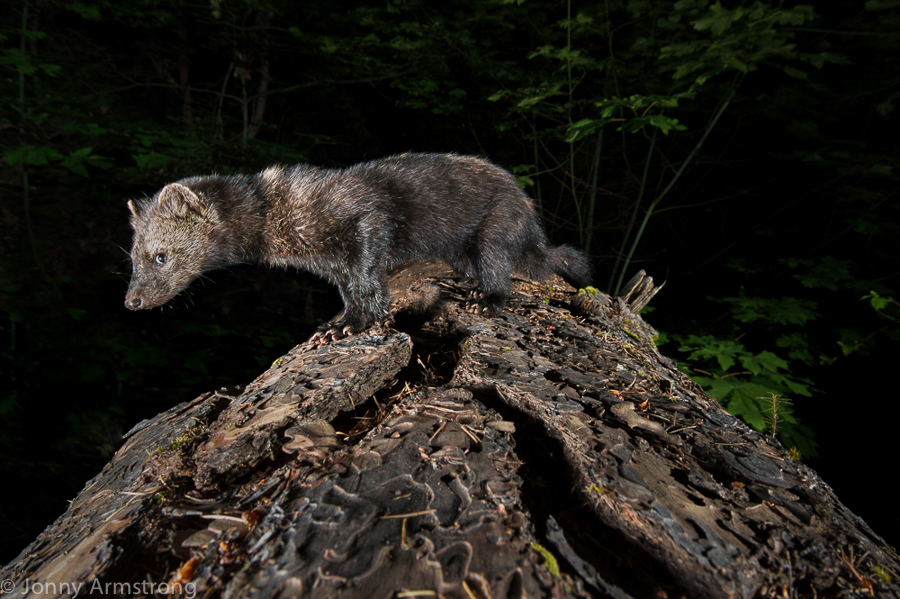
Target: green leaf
{"points": [[524, 181], [717, 20], [764, 361], [877, 302], [77, 160], [666, 123], [881, 4], [743, 401], [735, 63], [795, 73], [827, 272], [798, 346], [91, 13], [51, 69], [797, 388], [782, 310], [152, 160], [583, 128], [32, 155]]}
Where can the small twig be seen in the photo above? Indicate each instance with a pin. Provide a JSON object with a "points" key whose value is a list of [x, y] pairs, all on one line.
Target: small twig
{"points": [[409, 515]]}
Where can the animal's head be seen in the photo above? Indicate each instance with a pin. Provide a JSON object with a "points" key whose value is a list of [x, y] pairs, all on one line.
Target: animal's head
{"points": [[176, 238]]}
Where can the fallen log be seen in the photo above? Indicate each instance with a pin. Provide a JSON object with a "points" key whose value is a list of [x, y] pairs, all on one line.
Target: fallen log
{"points": [[551, 451]]}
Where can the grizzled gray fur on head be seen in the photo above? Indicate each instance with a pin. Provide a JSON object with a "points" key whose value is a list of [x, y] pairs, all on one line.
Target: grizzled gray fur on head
{"points": [[350, 226]]}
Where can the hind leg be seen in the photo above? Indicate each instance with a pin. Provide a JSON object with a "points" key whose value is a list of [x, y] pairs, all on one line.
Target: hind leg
{"points": [[494, 274], [484, 305], [498, 249], [469, 267]]}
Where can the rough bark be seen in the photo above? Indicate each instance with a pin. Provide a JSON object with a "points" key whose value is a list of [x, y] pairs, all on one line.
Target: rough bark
{"points": [[551, 451]]}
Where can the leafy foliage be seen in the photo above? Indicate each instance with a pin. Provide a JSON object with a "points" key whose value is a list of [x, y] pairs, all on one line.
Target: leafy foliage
{"points": [[762, 342], [744, 381], [667, 55]]}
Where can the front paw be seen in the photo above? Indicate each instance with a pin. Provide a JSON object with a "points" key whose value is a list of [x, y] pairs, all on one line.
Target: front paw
{"points": [[330, 333], [342, 328]]}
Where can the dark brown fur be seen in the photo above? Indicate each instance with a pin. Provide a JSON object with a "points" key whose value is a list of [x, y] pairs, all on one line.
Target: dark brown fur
{"points": [[350, 226]]}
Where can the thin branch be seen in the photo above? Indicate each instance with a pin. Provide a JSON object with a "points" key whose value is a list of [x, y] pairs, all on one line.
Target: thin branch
{"points": [[671, 184]]}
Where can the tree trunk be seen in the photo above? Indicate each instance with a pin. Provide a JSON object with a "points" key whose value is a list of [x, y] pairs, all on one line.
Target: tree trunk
{"points": [[262, 71], [551, 451], [184, 80]]}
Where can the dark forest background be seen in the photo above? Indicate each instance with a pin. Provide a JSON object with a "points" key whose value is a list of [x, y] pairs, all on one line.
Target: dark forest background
{"points": [[743, 152]]}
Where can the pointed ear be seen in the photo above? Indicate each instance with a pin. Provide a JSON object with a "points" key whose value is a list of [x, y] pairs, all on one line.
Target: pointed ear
{"points": [[180, 200], [135, 210]]}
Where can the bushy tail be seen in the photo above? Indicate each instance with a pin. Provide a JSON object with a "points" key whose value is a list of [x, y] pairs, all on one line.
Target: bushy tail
{"points": [[571, 264], [540, 262]]}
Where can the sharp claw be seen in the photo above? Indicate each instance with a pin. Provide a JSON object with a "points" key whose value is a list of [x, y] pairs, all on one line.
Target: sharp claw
{"points": [[330, 335]]}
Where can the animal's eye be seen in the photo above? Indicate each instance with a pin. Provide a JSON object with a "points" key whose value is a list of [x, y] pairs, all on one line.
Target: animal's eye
{"points": [[160, 259]]}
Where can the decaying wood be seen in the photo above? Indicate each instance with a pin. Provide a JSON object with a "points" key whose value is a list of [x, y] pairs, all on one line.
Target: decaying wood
{"points": [[638, 291], [551, 451]]}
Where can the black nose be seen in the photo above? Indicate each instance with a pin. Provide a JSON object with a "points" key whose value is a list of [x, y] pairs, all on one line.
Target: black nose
{"points": [[133, 303]]}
